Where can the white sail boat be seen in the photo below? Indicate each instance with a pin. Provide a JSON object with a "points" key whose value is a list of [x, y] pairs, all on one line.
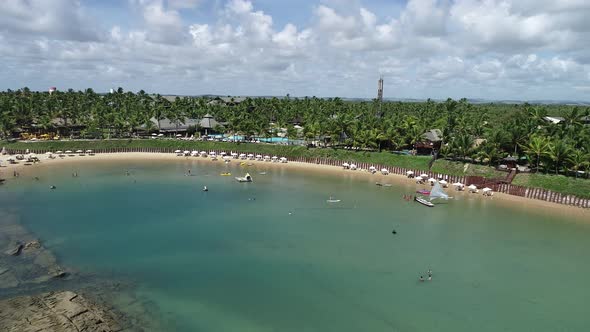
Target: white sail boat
{"points": [[438, 192]]}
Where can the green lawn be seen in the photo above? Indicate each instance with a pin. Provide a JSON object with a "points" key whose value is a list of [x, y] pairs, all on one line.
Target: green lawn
{"points": [[558, 183], [378, 158]]}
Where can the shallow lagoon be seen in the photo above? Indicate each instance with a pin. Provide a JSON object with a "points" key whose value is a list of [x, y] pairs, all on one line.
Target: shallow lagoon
{"points": [[274, 256]]}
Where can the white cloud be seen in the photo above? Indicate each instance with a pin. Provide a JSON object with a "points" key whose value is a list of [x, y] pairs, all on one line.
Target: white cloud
{"points": [[429, 48]]}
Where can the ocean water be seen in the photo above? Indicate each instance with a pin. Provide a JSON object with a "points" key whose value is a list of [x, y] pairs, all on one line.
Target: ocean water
{"points": [[273, 255]]}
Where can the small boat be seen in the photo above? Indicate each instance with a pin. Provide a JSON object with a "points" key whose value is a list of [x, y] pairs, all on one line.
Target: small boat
{"points": [[246, 178], [225, 174], [423, 192], [262, 173], [423, 201], [332, 200]]}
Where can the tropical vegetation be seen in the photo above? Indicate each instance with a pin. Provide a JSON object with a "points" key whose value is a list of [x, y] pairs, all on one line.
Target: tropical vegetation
{"points": [[474, 133]]}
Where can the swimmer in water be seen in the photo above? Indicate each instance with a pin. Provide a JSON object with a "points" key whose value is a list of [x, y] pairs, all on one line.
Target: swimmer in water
{"points": [[429, 278], [205, 188], [421, 279], [52, 187], [394, 232]]}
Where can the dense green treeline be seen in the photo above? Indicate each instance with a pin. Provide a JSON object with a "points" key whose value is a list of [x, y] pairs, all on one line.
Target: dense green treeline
{"points": [[482, 133]]}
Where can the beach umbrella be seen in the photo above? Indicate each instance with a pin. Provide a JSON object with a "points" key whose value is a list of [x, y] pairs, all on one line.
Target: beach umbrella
{"points": [[186, 152], [79, 151], [472, 186], [178, 135], [88, 151], [345, 165], [222, 153], [409, 172], [226, 158], [212, 153], [177, 151], [154, 134], [458, 184], [68, 151], [283, 159], [443, 183], [432, 180], [424, 175], [419, 178], [384, 171], [27, 151], [352, 167], [49, 153], [160, 135], [372, 168], [486, 189], [250, 155], [59, 152], [258, 156]]}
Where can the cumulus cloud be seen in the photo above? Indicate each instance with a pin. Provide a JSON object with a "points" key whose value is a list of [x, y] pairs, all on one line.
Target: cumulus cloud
{"points": [[429, 48]]}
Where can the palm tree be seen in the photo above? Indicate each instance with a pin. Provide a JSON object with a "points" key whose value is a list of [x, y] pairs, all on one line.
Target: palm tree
{"points": [[558, 152], [538, 146], [579, 160]]}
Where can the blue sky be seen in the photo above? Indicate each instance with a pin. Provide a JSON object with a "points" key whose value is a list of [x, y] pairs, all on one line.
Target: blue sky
{"points": [[492, 49]]}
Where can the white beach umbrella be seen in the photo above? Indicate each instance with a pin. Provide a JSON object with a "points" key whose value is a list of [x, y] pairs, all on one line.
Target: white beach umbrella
{"points": [[353, 167], [443, 183], [79, 151], [242, 155], [345, 165], [222, 153], [432, 180], [186, 152], [372, 168], [59, 152], [49, 153], [458, 184], [419, 178], [160, 135], [226, 158], [177, 151], [154, 134], [258, 156], [194, 153], [88, 151], [486, 189], [384, 171], [178, 135], [472, 186], [424, 175], [250, 155], [68, 151], [283, 159], [212, 153], [409, 172]]}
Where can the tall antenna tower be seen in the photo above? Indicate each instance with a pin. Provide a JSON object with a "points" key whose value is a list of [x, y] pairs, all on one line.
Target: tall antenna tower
{"points": [[380, 90]]}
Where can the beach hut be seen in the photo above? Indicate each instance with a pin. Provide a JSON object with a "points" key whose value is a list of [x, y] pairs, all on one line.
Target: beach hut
{"points": [[353, 167], [346, 165], [283, 160], [443, 183], [373, 169], [487, 191], [266, 158], [410, 174], [472, 188], [258, 157], [384, 171], [459, 186], [275, 159]]}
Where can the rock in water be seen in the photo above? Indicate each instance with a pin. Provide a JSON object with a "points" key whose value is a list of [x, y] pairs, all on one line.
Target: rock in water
{"points": [[16, 250], [59, 312]]}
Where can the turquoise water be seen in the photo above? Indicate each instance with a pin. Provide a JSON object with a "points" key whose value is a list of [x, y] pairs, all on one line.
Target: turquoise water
{"points": [[272, 255]]}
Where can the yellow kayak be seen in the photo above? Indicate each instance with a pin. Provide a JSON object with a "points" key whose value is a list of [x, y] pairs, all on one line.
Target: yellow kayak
{"points": [[225, 174]]}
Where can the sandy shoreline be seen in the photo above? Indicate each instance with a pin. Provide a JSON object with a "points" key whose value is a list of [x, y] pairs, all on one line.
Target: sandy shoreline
{"points": [[7, 171]]}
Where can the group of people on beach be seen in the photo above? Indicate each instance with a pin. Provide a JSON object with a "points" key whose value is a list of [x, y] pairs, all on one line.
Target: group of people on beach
{"points": [[421, 279]]}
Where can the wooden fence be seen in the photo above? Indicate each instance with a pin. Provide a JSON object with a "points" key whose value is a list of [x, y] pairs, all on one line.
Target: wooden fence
{"points": [[496, 185]]}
